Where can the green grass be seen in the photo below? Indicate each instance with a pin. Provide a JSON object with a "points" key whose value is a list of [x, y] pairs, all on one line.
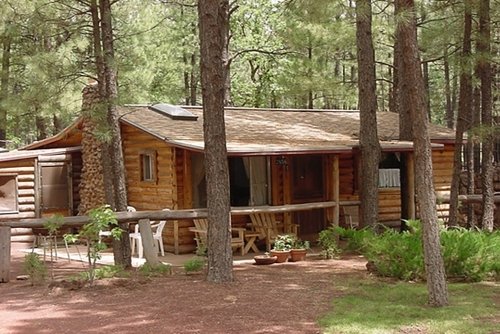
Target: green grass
{"points": [[373, 307]]}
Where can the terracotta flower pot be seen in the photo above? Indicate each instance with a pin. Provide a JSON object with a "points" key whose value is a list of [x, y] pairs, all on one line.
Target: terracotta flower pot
{"points": [[298, 254], [264, 259], [281, 256]]}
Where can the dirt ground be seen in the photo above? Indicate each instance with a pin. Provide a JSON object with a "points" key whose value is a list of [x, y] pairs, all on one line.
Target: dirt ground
{"points": [[280, 298]]}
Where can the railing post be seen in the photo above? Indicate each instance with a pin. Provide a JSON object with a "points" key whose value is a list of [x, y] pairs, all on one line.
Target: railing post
{"points": [[4, 254]]}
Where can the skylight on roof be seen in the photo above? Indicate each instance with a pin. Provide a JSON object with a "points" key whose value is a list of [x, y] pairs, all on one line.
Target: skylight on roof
{"points": [[174, 112]]}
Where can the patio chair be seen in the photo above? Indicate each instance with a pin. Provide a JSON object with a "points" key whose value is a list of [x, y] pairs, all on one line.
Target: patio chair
{"points": [[157, 229], [268, 227], [200, 231], [351, 215]]}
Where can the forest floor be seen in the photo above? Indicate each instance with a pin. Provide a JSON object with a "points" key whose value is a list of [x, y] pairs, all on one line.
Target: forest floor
{"points": [[279, 298]]}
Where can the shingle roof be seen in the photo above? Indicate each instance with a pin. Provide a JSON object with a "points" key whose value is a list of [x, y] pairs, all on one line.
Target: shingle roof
{"points": [[274, 131]]}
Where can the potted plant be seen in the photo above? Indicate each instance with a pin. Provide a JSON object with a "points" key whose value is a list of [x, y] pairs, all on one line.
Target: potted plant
{"points": [[299, 250], [281, 248]]}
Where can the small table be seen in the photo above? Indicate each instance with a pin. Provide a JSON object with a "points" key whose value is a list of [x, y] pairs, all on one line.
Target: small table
{"points": [[250, 238]]}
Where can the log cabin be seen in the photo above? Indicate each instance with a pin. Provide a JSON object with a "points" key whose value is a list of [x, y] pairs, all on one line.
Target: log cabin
{"points": [[305, 162]]}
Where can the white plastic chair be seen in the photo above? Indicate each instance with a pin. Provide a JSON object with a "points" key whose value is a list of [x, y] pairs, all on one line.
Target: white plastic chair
{"points": [[157, 229]]}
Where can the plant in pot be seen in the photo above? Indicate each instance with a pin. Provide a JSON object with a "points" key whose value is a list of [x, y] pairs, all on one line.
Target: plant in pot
{"points": [[281, 248], [299, 250]]}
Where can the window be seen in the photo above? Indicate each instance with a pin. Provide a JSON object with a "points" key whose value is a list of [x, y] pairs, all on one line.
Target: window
{"points": [[8, 193], [148, 166], [248, 181], [388, 173]]}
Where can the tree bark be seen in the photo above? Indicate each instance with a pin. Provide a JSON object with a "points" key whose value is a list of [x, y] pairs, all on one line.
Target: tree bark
{"points": [[367, 99], [449, 116], [426, 198], [464, 112], [213, 21], [4, 86], [121, 247], [484, 69]]}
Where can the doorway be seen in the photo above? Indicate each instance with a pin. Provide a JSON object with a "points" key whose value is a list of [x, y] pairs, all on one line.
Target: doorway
{"points": [[55, 189], [307, 185]]}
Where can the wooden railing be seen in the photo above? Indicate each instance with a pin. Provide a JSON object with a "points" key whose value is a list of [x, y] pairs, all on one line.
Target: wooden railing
{"points": [[77, 221]]}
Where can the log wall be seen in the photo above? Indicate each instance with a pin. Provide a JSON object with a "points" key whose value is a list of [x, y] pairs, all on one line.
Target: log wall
{"points": [[26, 190], [166, 192]]}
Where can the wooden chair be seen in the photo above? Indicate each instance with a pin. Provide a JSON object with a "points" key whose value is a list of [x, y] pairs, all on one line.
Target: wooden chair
{"points": [[200, 230], [268, 227], [351, 215]]}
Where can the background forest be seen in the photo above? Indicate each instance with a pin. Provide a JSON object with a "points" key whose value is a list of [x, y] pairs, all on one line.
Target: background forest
{"points": [[282, 53]]}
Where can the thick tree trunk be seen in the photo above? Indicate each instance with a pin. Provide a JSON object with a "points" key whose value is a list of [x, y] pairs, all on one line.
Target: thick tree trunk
{"points": [[121, 247], [213, 20], [484, 69], [405, 132], [426, 198], [464, 112], [4, 87], [367, 99]]}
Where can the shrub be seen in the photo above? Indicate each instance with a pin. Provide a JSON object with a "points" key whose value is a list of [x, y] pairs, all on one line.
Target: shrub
{"points": [[35, 268], [396, 254], [471, 255], [194, 264], [328, 241], [356, 239]]}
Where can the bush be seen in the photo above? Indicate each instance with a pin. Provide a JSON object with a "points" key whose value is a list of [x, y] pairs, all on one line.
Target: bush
{"points": [[396, 254], [328, 241], [194, 264], [471, 255], [35, 268]]}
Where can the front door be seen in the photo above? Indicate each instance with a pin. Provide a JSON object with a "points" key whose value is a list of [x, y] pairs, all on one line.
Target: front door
{"points": [[307, 185], [55, 188]]}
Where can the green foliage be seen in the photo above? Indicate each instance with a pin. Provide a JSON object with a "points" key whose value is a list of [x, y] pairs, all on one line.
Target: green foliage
{"points": [[35, 268], [397, 254], [102, 218], [370, 306], [194, 264], [53, 224], [356, 239], [201, 249], [283, 242], [328, 241], [161, 269], [471, 255], [301, 244]]}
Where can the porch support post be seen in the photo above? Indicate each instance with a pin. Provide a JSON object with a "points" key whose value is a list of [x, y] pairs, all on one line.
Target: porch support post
{"points": [[411, 186], [336, 190], [4, 254]]}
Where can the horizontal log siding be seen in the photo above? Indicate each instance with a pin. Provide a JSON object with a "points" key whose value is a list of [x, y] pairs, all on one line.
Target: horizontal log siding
{"points": [[164, 193], [442, 163], [25, 170]]}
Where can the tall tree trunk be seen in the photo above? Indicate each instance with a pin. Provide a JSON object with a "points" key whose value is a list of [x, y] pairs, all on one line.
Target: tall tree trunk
{"points": [[4, 86], [464, 112], [447, 91], [213, 21], [310, 98], [193, 82], [484, 67], [426, 197], [405, 131], [41, 127], [121, 247], [367, 99]]}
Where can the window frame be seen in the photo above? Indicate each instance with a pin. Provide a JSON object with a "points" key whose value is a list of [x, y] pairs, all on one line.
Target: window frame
{"points": [[16, 193], [152, 166]]}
